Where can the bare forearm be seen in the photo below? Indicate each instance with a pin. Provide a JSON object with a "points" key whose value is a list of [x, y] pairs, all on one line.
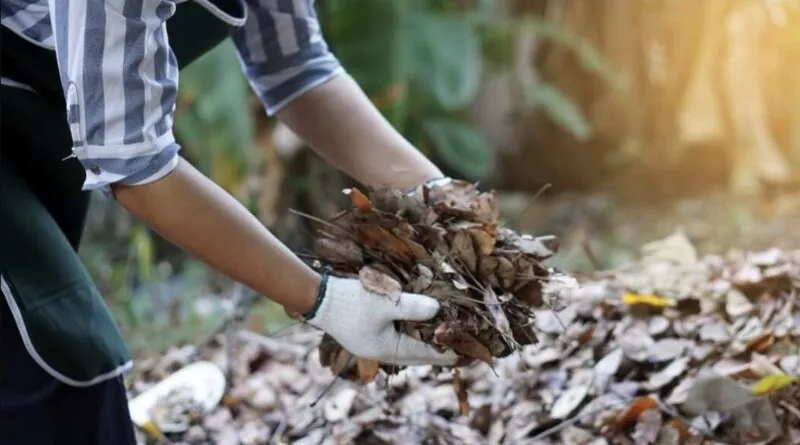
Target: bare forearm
{"points": [[189, 210], [341, 124]]}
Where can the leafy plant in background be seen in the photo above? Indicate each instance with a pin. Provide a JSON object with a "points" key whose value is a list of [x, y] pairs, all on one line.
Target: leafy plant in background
{"points": [[214, 120], [422, 61], [559, 108], [421, 64]]}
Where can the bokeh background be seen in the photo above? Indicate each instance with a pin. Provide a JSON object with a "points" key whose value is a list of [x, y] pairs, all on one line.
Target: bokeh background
{"points": [[606, 122]]}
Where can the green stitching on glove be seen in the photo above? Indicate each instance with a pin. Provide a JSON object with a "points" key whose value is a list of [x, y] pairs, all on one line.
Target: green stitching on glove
{"points": [[323, 286]]}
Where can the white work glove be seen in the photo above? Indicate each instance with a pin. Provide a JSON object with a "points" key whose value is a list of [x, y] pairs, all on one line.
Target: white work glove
{"points": [[362, 322]]}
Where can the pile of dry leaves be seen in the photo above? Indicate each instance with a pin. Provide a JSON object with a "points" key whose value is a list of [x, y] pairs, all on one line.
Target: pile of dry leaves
{"points": [[674, 349], [443, 241]]}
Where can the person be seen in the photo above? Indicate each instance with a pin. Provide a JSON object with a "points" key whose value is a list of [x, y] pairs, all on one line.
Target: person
{"points": [[88, 94]]}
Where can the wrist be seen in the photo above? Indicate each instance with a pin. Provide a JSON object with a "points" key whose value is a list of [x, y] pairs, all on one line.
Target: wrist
{"points": [[307, 298]]}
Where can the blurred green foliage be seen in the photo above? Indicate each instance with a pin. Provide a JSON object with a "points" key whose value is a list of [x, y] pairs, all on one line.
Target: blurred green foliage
{"points": [[214, 120], [421, 62]]}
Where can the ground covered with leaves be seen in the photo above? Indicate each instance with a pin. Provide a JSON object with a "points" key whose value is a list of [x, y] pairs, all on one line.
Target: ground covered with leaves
{"points": [[672, 348]]}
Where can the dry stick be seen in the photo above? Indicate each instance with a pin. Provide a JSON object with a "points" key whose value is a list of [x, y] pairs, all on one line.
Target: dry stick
{"points": [[513, 221], [241, 308], [510, 340], [277, 433], [587, 249], [333, 382], [269, 343], [580, 416], [329, 224], [319, 220], [242, 303], [790, 408]]}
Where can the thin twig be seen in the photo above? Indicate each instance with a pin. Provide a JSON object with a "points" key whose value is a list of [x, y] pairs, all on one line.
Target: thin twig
{"points": [[587, 249], [573, 420], [513, 221], [333, 382], [277, 433], [319, 220], [790, 408], [269, 343]]}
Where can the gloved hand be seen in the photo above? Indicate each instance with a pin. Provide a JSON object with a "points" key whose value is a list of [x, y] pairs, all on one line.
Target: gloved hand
{"points": [[361, 321]]}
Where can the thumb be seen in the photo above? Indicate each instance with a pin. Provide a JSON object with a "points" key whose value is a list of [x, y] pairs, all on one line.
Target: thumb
{"points": [[414, 307]]}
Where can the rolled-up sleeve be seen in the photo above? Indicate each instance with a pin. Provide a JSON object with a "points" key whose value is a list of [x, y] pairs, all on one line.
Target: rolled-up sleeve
{"points": [[120, 80], [282, 51]]}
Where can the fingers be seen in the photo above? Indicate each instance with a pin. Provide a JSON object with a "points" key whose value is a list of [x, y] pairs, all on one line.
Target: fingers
{"points": [[414, 307], [408, 351]]}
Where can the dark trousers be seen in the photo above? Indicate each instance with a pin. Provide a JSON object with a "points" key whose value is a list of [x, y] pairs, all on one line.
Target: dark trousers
{"points": [[35, 408]]}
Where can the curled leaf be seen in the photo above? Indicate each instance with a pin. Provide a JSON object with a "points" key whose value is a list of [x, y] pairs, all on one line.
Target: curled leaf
{"points": [[359, 200], [461, 393], [461, 342], [630, 415], [367, 369]]}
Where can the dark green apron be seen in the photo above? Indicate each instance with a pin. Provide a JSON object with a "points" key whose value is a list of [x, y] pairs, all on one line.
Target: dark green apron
{"points": [[61, 316]]}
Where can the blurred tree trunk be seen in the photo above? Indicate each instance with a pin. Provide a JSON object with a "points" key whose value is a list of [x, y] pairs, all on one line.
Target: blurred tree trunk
{"points": [[696, 106], [758, 157]]}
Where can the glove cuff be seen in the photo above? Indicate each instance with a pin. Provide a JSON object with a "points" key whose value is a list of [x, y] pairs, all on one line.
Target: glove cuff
{"points": [[321, 292]]}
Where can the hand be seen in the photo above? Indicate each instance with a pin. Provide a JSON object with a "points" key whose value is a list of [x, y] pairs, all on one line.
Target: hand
{"points": [[362, 322]]}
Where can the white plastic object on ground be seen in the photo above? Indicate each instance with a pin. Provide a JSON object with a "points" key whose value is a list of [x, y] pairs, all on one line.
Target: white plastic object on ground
{"points": [[203, 382]]}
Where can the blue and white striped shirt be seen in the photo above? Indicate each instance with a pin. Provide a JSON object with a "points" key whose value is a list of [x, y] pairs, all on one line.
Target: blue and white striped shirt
{"points": [[120, 77]]}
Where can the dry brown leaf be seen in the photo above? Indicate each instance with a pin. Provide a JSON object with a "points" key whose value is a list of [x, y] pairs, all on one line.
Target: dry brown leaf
{"points": [[367, 369], [359, 200], [681, 427], [628, 417], [344, 250], [380, 239], [461, 393], [378, 282], [761, 343], [461, 342]]}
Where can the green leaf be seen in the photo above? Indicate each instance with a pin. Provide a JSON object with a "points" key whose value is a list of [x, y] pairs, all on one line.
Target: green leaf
{"points": [[143, 246], [446, 52], [460, 147], [560, 109], [219, 119], [590, 58], [498, 43], [368, 38]]}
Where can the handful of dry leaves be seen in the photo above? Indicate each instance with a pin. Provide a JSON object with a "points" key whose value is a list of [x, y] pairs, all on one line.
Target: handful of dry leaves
{"points": [[444, 242]]}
